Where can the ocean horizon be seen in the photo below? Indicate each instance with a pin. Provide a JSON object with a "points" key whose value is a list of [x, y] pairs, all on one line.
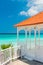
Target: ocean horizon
{"points": [[12, 38]]}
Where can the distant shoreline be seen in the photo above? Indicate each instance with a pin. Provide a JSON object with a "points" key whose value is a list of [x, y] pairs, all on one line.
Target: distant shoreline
{"points": [[19, 33]]}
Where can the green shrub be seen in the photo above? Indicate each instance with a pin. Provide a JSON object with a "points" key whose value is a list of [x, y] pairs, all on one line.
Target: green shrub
{"points": [[4, 46]]}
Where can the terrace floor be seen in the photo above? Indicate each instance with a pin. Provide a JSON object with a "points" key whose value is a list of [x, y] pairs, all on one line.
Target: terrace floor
{"points": [[24, 62]]}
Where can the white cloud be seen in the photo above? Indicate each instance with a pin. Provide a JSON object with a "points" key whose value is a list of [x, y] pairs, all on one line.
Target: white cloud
{"points": [[32, 11], [30, 3], [38, 2], [23, 13], [35, 7]]}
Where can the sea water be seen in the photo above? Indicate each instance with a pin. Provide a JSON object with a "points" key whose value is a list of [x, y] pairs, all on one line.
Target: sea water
{"points": [[12, 38]]}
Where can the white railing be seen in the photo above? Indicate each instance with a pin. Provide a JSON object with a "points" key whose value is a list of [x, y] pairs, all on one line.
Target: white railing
{"points": [[9, 54]]}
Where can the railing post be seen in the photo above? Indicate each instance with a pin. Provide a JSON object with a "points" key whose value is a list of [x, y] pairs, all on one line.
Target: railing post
{"points": [[0, 57], [10, 54], [0, 63]]}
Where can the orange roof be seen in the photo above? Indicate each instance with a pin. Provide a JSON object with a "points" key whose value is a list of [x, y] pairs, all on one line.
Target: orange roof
{"points": [[37, 19]]}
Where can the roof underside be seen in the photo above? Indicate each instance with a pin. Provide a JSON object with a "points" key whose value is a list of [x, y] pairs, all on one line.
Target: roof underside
{"points": [[37, 19]]}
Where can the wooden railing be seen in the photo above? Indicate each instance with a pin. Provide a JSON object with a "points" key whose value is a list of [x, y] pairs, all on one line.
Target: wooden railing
{"points": [[9, 54]]}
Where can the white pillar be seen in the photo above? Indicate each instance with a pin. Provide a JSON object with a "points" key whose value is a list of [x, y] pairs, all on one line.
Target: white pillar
{"points": [[30, 37], [35, 44], [17, 37], [35, 38], [26, 38], [39, 36]]}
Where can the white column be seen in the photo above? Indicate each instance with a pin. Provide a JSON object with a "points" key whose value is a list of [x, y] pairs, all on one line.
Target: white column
{"points": [[35, 38], [26, 38], [17, 36], [35, 43], [30, 37], [39, 36]]}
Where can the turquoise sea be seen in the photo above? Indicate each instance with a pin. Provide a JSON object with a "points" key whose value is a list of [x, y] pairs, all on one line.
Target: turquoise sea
{"points": [[12, 38]]}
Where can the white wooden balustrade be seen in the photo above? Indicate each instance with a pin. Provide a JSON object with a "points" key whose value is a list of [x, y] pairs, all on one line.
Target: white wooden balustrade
{"points": [[9, 54]]}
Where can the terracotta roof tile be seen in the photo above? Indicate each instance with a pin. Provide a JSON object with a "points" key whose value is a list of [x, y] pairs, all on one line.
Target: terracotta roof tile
{"points": [[37, 19]]}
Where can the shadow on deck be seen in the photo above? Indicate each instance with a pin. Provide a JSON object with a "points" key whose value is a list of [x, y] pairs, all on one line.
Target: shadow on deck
{"points": [[24, 61], [28, 62]]}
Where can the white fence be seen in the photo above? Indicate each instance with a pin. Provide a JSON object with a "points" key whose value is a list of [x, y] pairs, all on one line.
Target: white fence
{"points": [[9, 54]]}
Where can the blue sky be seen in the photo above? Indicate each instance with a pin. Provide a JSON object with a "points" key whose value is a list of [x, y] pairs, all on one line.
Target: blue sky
{"points": [[9, 15], [15, 11]]}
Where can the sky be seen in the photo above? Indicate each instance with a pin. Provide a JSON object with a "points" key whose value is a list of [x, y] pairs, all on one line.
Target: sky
{"points": [[15, 11]]}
